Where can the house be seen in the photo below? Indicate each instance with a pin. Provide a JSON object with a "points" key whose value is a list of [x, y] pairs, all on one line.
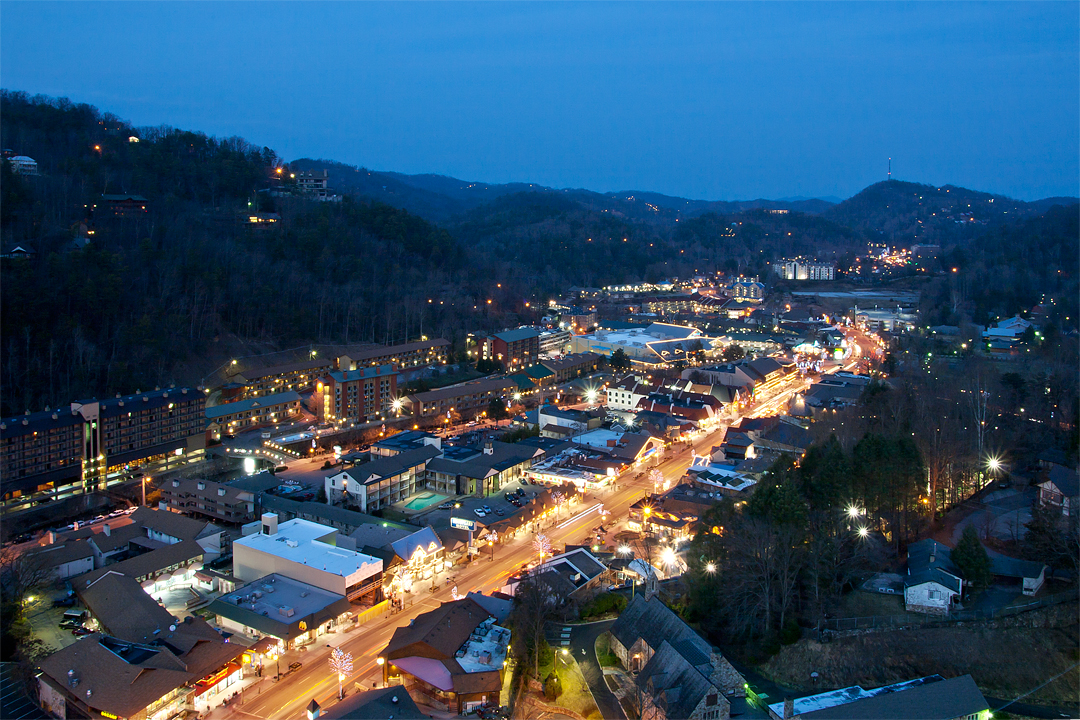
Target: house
{"points": [[1011, 329], [1061, 489], [21, 251], [926, 698], [23, 164], [932, 584], [65, 559], [1031, 574], [124, 205], [681, 675], [451, 658]]}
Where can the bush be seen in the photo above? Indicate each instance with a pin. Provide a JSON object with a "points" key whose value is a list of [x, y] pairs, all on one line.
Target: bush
{"points": [[552, 686], [603, 603]]}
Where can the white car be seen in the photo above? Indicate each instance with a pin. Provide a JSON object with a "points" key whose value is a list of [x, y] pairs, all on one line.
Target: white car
{"points": [[480, 513]]}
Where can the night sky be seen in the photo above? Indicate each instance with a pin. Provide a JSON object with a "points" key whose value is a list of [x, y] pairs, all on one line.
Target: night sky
{"points": [[713, 101]]}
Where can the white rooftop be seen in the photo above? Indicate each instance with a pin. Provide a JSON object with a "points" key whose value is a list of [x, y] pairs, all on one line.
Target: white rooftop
{"points": [[300, 541], [486, 648], [598, 438]]}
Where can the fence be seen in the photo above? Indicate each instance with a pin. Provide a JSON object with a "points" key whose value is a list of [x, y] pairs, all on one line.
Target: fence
{"points": [[957, 616], [372, 612]]}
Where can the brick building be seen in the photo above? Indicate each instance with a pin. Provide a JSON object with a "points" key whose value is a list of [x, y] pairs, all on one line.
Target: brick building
{"points": [[360, 395], [515, 349]]}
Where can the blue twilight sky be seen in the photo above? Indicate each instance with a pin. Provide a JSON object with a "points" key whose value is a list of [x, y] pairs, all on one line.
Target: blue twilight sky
{"points": [[717, 101]]}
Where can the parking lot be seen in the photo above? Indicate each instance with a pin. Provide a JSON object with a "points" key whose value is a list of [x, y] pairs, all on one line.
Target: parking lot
{"points": [[466, 507]]}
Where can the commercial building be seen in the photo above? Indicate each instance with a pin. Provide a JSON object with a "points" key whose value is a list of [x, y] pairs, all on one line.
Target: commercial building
{"points": [[451, 658], [804, 269], [554, 341], [59, 454], [307, 552], [515, 349], [278, 606], [746, 289], [479, 471], [236, 416], [656, 344], [356, 395], [572, 366], [313, 181], [23, 164], [927, 698]]}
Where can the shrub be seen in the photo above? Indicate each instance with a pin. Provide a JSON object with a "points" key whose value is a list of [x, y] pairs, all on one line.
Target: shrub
{"points": [[603, 603], [552, 686]]}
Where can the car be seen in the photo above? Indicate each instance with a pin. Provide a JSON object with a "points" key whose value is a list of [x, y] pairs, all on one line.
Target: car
{"points": [[485, 508], [99, 518], [479, 512], [80, 631], [499, 512], [446, 506], [64, 602], [613, 588], [293, 667], [70, 624], [307, 496], [519, 492]]}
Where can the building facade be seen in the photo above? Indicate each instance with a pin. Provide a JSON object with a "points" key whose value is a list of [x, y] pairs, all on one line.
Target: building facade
{"points": [[515, 349], [357, 395]]}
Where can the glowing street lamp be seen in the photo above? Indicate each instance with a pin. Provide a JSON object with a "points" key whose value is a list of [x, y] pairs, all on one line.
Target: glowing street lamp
{"points": [[710, 568], [863, 532]]}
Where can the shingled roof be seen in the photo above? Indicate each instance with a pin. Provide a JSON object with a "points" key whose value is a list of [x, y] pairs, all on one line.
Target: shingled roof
{"points": [[655, 623], [675, 685]]}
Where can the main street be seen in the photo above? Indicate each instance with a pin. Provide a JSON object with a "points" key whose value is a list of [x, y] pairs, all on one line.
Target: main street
{"points": [[289, 697]]}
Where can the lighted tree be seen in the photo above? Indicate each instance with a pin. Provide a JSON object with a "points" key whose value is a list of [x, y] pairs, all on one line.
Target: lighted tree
{"points": [[454, 594], [657, 478], [341, 663], [542, 545]]}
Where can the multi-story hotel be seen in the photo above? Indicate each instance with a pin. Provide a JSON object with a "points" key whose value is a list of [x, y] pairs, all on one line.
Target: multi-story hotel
{"points": [[402, 357], [359, 395], [281, 378], [515, 349], [52, 455]]}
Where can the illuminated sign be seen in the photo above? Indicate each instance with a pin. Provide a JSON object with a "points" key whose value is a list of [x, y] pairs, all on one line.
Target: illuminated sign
{"points": [[303, 626], [462, 524], [109, 715]]}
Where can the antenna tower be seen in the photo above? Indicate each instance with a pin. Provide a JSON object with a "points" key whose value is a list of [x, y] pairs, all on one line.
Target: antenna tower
{"points": [[890, 169]]}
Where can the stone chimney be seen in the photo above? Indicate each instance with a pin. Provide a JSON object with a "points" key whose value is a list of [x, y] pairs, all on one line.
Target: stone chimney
{"points": [[269, 523], [106, 529], [789, 708]]}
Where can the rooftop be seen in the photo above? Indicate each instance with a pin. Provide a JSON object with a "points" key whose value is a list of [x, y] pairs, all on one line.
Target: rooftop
{"points": [[301, 541], [274, 603], [251, 403]]}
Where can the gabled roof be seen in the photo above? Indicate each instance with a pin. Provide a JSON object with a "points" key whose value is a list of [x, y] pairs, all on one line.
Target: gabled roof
{"points": [[146, 564], [58, 553], [173, 524], [389, 466], [1065, 480], [655, 623], [444, 630], [930, 561], [423, 539], [378, 704], [674, 684]]}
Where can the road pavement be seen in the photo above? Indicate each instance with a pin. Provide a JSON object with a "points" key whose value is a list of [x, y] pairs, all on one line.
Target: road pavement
{"points": [[583, 648]]}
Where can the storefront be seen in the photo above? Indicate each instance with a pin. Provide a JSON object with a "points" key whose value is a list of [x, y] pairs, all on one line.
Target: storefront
{"points": [[211, 688]]}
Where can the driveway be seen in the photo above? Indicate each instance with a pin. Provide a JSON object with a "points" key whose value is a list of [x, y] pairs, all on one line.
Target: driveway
{"points": [[583, 646]]}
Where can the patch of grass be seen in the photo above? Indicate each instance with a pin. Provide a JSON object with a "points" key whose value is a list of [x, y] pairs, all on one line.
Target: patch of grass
{"points": [[604, 655]]}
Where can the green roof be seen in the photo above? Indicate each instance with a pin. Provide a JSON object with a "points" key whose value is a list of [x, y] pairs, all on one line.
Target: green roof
{"points": [[538, 372]]}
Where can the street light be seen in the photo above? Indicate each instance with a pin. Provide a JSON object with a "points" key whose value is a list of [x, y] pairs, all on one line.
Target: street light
{"points": [[863, 532], [710, 568]]}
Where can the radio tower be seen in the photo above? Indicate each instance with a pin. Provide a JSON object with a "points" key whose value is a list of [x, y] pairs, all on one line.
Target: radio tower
{"points": [[890, 169]]}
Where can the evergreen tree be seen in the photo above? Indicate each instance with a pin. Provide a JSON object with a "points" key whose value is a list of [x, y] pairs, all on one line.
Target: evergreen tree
{"points": [[971, 560]]}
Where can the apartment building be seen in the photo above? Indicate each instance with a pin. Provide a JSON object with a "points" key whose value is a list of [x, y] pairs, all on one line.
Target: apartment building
{"points": [[402, 357], [803, 269], [209, 499], [573, 365], [358, 395], [554, 341]]}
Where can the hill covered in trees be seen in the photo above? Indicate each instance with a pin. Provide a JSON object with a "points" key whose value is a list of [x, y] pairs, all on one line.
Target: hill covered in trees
{"points": [[168, 294]]}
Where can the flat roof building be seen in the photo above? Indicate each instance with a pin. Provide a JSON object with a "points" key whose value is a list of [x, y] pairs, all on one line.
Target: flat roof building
{"points": [[307, 552]]}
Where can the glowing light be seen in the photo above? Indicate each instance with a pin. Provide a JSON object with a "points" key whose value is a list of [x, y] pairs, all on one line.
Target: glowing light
{"points": [[710, 568], [863, 532]]}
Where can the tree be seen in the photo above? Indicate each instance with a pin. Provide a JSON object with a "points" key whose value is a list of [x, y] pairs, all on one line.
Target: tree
{"points": [[733, 352], [1053, 538], [619, 360], [971, 560], [496, 409]]}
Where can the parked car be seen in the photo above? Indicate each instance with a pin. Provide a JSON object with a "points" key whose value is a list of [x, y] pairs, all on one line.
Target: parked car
{"points": [[70, 624], [479, 512], [485, 508], [499, 511], [446, 506], [80, 631], [293, 667], [64, 602]]}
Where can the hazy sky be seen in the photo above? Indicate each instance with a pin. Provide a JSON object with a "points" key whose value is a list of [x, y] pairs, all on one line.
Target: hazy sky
{"points": [[716, 101]]}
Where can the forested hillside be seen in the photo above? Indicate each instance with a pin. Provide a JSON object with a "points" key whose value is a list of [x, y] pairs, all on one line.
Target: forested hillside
{"points": [[145, 299]]}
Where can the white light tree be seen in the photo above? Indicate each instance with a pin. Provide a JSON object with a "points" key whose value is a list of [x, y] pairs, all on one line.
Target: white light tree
{"points": [[341, 663], [542, 545], [454, 594]]}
